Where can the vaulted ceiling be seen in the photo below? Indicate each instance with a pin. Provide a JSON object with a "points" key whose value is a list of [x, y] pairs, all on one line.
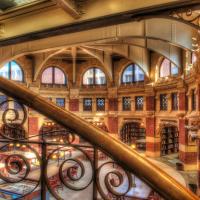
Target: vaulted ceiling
{"points": [[19, 17]]}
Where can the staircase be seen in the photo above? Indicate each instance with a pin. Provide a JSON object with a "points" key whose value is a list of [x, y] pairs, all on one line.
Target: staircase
{"points": [[99, 167]]}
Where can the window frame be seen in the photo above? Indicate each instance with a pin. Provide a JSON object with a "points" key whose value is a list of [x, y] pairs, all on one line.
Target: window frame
{"points": [[170, 69], [59, 98], [99, 108], [53, 76], [128, 108], [94, 77], [85, 108], [137, 107], [10, 71], [133, 66], [163, 108], [174, 102]]}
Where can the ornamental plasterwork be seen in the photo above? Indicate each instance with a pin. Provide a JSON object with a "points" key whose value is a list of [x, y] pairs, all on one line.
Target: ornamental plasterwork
{"points": [[187, 15]]}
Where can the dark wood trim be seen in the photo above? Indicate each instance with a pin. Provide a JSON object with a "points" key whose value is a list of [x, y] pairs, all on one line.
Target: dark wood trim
{"points": [[124, 17]]}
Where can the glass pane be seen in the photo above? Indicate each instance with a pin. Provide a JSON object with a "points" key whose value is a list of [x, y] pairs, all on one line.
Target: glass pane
{"points": [[87, 104], [139, 101], [126, 103], [174, 101], [47, 76], [163, 102], [127, 76], [16, 72], [165, 68], [88, 77], [174, 69], [100, 78], [60, 102], [59, 77], [4, 71], [100, 102], [139, 74]]}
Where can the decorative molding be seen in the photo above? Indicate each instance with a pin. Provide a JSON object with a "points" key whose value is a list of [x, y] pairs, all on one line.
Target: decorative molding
{"points": [[187, 15]]}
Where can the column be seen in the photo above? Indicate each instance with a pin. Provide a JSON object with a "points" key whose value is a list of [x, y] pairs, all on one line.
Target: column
{"points": [[113, 104], [152, 143], [187, 153], [182, 101], [113, 118]]}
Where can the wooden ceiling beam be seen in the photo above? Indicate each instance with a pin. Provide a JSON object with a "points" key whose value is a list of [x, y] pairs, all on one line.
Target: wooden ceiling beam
{"points": [[67, 6]]}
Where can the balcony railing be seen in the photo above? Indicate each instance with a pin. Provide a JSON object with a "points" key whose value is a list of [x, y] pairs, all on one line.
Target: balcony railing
{"points": [[72, 160]]}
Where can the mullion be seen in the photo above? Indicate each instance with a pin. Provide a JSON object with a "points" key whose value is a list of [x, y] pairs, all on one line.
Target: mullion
{"points": [[133, 73], [170, 69], [94, 76], [9, 70]]}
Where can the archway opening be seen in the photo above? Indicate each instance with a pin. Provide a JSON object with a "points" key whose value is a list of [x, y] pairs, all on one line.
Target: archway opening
{"points": [[169, 140], [133, 134]]}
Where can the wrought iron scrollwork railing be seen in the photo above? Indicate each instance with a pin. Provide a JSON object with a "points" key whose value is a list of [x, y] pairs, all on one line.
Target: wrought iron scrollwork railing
{"points": [[56, 162], [75, 160]]}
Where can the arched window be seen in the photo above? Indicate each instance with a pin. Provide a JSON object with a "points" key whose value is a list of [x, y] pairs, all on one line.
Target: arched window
{"points": [[94, 76], [53, 75], [12, 71], [168, 68], [132, 73]]}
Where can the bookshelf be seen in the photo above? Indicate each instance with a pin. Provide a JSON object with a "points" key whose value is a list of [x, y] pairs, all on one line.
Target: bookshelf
{"points": [[131, 133], [169, 140]]}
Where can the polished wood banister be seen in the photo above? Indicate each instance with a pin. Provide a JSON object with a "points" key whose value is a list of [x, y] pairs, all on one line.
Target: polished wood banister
{"points": [[161, 182]]}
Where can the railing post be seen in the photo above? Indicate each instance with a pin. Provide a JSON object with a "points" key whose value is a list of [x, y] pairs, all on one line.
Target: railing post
{"points": [[95, 173], [43, 171]]}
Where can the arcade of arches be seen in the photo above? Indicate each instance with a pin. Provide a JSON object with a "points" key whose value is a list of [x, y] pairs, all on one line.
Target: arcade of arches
{"points": [[147, 116]]}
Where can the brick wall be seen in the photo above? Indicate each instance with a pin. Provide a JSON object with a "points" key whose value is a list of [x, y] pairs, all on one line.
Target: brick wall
{"points": [[182, 101], [74, 105], [150, 126], [183, 139], [113, 124], [113, 104], [150, 103]]}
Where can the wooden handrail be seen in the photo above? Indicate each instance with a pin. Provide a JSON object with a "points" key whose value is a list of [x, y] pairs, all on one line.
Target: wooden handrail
{"points": [[157, 179]]}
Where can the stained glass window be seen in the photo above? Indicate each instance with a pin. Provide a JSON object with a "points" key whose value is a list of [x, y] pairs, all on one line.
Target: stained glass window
{"points": [[174, 101], [94, 76], [168, 68], [12, 71], [126, 103], [132, 73], [87, 104], [100, 102], [163, 102], [139, 102], [53, 75]]}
